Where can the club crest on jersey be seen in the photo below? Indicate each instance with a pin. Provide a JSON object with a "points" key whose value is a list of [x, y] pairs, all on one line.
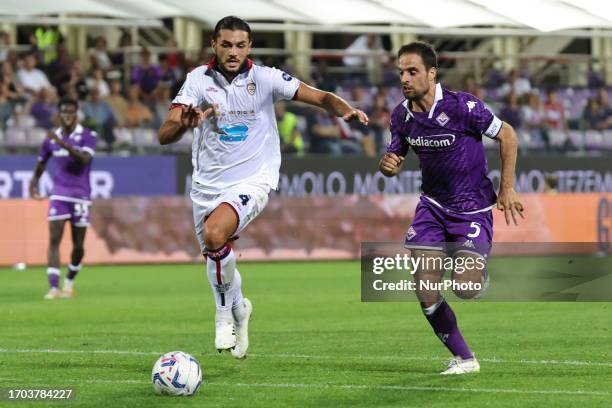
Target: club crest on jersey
{"points": [[251, 88], [442, 119]]}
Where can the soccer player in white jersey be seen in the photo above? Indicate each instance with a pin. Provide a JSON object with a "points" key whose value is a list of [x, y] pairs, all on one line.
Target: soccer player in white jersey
{"points": [[229, 104]]}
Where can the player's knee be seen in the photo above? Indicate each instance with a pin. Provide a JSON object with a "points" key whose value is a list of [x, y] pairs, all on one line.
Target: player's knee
{"points": [[78, 250], [54, 241], [469, 284], [214, 237]]}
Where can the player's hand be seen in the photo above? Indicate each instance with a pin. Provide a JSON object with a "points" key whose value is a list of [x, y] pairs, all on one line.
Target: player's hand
{"points": [[34, 192], [390, 164], [53, 136], [508, 202], [193, 117], [356, 114]]}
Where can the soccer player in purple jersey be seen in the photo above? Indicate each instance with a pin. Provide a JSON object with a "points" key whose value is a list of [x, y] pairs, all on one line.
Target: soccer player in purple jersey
{"points": [[69, 150], [454, 215]]}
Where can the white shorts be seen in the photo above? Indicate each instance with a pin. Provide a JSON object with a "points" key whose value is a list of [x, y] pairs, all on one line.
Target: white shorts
{"points": [[247, 200]]}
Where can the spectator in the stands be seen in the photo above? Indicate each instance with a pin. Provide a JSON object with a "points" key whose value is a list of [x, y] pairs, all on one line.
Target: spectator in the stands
{"points": [[14, 91], [76, 85], [290, 138], [594, 78], [146, 75], [99, 116], [59, 68], [117, 102], [31, 78], [96, 80], [327, 137], [98, 55], [592, 114], [4, 45], [160, 107], [6, 109], [515, 84], [554, 112], [44, 109], [371, 57], [511, 112], [533, 119], [380, 119], [138, 114]]}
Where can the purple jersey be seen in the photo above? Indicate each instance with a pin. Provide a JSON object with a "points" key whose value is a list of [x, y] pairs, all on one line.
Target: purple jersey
{"points": [[448, 142], [70, 177]]}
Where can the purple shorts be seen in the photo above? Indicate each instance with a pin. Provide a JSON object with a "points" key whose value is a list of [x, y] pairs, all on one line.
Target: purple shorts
{"points": [[76, 212], [436, 228]]}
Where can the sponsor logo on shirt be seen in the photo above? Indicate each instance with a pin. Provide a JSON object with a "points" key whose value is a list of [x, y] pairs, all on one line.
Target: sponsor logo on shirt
{"points": [[60, 153], [211, 89], [251, 88], [234, 133], [444, 140], [287, 77]]}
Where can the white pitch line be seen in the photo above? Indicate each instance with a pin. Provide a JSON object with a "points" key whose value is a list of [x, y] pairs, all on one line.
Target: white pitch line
{"points": [[320, 357], [356, 387]]}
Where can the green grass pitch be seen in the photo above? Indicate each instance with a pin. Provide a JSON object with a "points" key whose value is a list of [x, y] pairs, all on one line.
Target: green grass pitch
{"points": [[313, 343]]}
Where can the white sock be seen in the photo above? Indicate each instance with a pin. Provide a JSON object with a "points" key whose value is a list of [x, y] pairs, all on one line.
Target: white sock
{"points": [[221, 269], [238, 307], [68, 283]]}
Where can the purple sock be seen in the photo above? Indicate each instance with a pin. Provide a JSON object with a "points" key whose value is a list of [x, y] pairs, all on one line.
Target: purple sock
{"points": [[53, 275], [444, 324], [72, 271]]}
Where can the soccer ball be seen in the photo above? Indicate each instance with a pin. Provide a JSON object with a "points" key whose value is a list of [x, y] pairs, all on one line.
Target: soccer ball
{"points": [[176, 373]]}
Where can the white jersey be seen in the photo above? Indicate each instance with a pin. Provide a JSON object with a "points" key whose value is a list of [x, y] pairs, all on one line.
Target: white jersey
{"points": [[240, 143]]}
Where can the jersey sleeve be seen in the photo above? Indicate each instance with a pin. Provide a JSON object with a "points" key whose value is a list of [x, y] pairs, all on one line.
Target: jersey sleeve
{"points": [[191, 91], [89, 142], [284, 86], [480, 120], [45, 151], [398, 144]]}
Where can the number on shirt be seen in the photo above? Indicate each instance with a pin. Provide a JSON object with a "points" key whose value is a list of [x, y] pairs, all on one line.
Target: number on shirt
{"points": [[244, 199], [476, 232]]}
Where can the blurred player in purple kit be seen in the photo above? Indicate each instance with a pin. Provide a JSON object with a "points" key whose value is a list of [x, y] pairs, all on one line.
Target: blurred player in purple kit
{"points": [[69, 150], [454, 215]]}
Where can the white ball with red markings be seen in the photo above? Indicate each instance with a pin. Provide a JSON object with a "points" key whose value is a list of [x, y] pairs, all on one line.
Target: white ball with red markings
{"points": [[176, 373]]}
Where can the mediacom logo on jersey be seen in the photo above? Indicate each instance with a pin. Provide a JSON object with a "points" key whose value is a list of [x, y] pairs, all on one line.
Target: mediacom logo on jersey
{"points": [[444, 140]]}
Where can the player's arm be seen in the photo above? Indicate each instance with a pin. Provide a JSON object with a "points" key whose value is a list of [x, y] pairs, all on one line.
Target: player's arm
{"points": [[332, 103], [178, 121], [507, 199], [81, 155], [38, 171]]}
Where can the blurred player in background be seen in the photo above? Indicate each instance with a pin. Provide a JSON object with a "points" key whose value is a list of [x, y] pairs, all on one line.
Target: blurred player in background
{"points": [[69, 149], [229, 104], [445, 130]]}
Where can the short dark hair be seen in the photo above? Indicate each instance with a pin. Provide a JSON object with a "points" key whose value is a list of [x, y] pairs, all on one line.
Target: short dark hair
{"points": [[231, 23], [425, 50], [69, 102]]}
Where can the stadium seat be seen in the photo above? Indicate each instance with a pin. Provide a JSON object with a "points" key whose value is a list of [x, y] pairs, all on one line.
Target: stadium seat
{"points": [[607, 139], [557, 138], [35, 136], [576, 137], [593, 140], [123, 136], [15, 137]]}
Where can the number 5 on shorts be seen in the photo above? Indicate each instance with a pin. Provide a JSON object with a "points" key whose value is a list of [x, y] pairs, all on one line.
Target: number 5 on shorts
{"points": [[476, 232]]}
